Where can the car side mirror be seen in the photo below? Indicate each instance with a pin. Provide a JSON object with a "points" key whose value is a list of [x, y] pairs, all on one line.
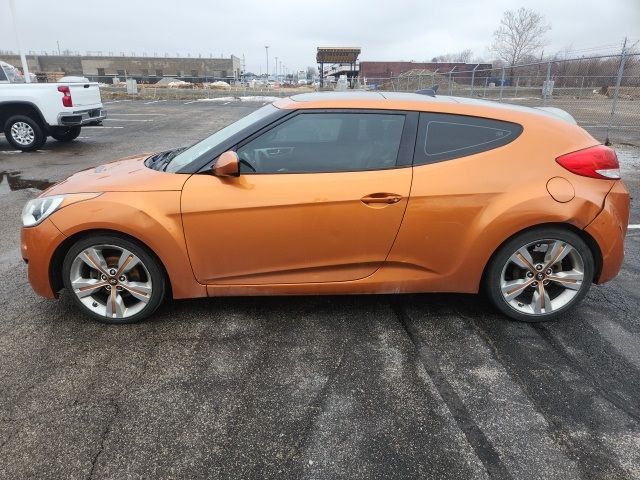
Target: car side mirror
{"points": [[227, 165]]}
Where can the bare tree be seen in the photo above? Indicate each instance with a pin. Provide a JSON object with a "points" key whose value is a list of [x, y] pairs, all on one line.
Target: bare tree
{"points": [[520, 34], [464, 56]]}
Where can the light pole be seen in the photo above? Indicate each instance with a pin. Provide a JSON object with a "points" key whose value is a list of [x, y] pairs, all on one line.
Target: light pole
{"points": [[23, 59], [276, 69], [266, 48]]}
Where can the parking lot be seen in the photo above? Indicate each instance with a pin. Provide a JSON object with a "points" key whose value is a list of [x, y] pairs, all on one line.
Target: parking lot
{"points": [[324, 387]]}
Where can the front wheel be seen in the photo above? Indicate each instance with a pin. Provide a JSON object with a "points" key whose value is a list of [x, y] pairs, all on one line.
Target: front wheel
{"points": [[113, 279], [540, 274], [65, 134]]}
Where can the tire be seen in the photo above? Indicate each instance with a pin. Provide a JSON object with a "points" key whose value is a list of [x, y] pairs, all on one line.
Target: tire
{"points": [[24, 133], [540, 274], [113, 279], [65, 134]]}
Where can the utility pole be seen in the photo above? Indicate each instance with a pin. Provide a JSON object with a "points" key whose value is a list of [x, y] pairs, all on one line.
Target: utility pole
{"points": [[266, 48], [276, 69], [58, 42], [23, 59]]}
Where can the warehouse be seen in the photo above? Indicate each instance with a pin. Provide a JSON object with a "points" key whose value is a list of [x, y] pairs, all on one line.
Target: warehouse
{"points": [[143, 69]]}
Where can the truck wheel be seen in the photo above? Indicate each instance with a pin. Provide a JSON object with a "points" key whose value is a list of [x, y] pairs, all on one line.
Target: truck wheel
{"points": [[24, 133], [65, 134]]}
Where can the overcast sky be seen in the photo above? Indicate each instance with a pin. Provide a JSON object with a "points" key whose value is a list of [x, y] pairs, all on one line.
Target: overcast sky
{"points": [[385, 30]]}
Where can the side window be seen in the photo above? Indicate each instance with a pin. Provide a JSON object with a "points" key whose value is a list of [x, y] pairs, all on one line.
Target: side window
{"points": [[326, 142], [3, 76], [445, 136]]}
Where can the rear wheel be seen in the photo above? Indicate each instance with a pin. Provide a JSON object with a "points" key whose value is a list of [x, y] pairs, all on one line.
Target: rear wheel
{"points": [[113, 279], [24, 133], [540, 274], [65, 134]]}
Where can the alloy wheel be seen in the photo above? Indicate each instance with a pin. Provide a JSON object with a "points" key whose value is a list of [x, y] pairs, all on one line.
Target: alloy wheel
{"points": [[110, 281], [542, 277], [23, 133]]}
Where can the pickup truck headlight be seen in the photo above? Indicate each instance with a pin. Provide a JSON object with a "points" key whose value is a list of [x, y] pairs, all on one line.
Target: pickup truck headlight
{"points": [[38, 209]]}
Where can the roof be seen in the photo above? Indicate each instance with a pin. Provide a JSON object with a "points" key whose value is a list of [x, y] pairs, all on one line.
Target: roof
{"points": [[337, 54], [373, 96], [416, 102]]}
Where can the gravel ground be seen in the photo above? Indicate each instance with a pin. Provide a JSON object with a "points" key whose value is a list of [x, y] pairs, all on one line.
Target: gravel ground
{"points": [[412, 386]]}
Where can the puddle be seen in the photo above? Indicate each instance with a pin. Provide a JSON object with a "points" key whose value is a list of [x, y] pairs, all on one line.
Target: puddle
{"points": [[10, 181]]}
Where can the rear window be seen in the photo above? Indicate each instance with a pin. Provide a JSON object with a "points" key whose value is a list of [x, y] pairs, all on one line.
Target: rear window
{"points": [[445, 136]]}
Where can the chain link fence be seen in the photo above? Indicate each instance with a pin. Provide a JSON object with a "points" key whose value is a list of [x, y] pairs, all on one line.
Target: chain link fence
{"points": [[602, 92]]}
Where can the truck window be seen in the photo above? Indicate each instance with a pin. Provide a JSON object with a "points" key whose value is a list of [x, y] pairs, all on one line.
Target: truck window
{"points": [[3, 76]]}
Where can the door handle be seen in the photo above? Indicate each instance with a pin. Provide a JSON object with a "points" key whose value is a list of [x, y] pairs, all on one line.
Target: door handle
{"points": [[386, 198]]}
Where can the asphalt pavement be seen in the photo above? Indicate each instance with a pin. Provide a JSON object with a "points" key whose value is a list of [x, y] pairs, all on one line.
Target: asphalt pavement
{"points": [[325, 387]]}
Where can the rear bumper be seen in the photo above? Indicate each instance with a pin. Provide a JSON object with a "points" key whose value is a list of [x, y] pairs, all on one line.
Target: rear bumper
{"points": [[37, 245], [81, 117], [609, 229]]}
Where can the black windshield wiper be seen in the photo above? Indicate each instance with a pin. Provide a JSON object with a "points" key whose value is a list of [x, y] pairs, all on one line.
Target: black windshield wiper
{"points": [[166, 160], [159, 161]]}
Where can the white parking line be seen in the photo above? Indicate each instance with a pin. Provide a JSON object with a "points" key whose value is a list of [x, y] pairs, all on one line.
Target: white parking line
{"points": [[634, 227], [115, 101], [193, 101], [129, 120], [153, 101], [141, 114], [102, 126]]}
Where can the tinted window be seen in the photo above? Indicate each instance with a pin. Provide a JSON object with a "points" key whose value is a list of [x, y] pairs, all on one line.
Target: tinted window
{"points": [[3, 77], [326, 142], [444, 136]]}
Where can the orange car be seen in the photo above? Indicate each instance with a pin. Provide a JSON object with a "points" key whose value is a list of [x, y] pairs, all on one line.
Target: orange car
{"points": [[342, 193]]}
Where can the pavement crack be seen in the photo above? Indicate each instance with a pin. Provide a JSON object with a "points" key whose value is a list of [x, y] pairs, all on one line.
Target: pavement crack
{"points": [[316, 405], [606, 393], [103, 438], [481, 445]]}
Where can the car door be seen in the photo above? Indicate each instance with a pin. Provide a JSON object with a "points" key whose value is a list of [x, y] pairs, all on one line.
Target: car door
{"points": [[320, 198]]}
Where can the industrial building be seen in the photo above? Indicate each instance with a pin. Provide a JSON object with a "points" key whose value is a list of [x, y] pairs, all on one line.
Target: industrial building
{"points": [[143, 69]]}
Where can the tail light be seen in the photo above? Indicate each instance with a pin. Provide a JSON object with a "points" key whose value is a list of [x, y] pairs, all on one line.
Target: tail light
{"points": [[594, 162], [66, 96]]}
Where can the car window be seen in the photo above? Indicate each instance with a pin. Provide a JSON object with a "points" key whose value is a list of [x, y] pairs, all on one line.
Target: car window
{"points": [[3, 76], [326, 142], [447, 136]]}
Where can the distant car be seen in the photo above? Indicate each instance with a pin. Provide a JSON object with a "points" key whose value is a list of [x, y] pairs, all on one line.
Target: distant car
{"points": [[31, 112], [342, 193]]}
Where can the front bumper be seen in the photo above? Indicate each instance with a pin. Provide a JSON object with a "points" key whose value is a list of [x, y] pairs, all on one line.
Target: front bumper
{"points": [[81, 117], [37, 245], [609, 228]]}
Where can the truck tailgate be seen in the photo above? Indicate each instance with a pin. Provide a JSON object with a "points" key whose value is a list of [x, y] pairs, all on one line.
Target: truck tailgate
{"points": [[84, 94]]}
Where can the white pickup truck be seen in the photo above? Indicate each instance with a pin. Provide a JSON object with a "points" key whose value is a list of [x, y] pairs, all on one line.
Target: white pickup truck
{"points": [[31, 112]]}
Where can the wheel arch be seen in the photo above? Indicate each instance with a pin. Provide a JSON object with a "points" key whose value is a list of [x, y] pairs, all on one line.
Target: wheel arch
{"points": [[57, 259], [12, 108], [585, 236]]}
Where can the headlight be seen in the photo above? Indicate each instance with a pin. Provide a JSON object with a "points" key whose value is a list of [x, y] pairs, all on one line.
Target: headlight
{"points": [[36, 210]]}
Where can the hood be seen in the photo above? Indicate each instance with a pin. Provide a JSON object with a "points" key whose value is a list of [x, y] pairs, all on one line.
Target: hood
{"points": [[125, 175]]}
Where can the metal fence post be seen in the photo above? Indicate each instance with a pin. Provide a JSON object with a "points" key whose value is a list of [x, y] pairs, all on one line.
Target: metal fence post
{"points": [[473, 77], [517, 85], [581, 86], [450, 85], [486, 82], [502, 84], [545, 87], [623, 59]]}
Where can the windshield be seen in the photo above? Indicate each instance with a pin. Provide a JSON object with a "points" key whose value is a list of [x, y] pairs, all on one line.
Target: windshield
{"points": [[209, 143]]}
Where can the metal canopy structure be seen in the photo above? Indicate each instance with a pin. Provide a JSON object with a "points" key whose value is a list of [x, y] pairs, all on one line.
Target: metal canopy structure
{"points": [[336, 55]]}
